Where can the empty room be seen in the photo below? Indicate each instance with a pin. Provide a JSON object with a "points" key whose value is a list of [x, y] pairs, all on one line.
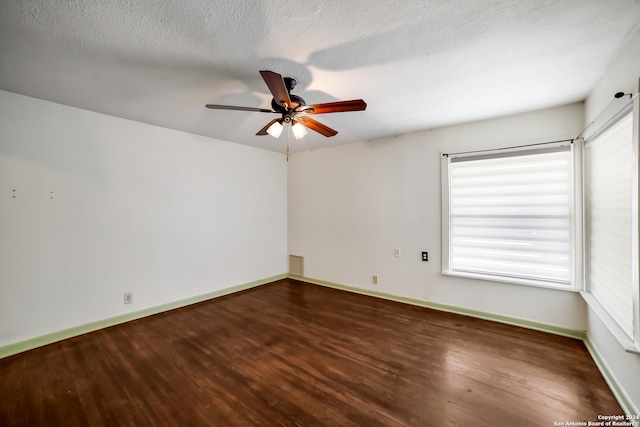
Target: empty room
{"points": [[340, 213]]}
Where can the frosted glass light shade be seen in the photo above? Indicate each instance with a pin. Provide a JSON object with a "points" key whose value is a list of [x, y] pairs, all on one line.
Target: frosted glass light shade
{"points": [[275, 129], [298, 130]]}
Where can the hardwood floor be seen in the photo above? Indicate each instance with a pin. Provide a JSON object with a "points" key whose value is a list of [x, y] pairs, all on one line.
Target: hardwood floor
{"points": [[295, 354]]}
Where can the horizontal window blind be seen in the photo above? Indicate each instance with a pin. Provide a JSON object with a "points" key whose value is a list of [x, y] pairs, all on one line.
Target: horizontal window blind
{"points": [[511, 215], [609, 172]]}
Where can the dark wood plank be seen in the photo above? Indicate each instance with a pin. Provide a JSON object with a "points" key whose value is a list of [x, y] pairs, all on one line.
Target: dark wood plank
{"points": [[291, 353]]}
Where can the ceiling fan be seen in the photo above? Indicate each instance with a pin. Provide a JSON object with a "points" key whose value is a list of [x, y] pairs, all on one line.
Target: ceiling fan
{"points": [[293, 109]]}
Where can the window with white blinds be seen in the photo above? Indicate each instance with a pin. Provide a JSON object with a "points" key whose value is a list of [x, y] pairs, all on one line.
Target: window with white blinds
{"points": [[608, 214], [510, 216]]}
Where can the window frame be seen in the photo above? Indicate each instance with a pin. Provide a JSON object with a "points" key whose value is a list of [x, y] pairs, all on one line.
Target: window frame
{"points": [[575, 282], [630, 343]]}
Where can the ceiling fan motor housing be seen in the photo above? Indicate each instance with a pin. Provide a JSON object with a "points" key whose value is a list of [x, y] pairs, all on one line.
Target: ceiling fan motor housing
{"points": [[296, 101]]}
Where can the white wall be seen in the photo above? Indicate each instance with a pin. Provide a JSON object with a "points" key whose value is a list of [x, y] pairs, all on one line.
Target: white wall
{"points": [[622, 76], [104, 206], [351, 205]]}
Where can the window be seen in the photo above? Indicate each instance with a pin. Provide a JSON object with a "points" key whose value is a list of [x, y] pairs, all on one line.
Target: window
{"points": [[609, 198], [508, 216]]}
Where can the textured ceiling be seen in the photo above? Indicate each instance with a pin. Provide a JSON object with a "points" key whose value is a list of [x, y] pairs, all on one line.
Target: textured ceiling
{"points": [[418, 64]]}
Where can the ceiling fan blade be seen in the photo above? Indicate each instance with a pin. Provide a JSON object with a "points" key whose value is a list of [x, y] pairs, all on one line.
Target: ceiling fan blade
{"points": [[276, 86], [263, 131], [334, 107], [317, 126], [233, 107]]}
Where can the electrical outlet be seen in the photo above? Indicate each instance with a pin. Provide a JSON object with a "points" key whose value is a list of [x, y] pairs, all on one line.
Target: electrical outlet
{"points": [[128, 297], [425, 256], [396, 252], [375, 279]]}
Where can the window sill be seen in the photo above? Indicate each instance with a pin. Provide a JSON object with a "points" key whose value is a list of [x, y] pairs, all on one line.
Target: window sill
{"points": [[625, 341], [512, 280]]}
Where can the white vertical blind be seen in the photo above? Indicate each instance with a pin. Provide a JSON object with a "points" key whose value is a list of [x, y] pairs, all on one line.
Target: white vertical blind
{"points": [[609, 259], [511, 215]]}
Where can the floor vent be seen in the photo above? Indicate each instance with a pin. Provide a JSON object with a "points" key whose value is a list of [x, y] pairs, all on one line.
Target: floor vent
{"points": [[296, 265]]}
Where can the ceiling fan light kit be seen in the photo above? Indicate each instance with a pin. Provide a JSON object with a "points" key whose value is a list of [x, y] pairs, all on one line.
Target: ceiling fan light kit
{"points": [[293, 109]]}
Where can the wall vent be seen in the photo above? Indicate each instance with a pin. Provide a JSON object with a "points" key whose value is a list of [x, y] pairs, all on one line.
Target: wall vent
{"points": [[296, 265]]}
